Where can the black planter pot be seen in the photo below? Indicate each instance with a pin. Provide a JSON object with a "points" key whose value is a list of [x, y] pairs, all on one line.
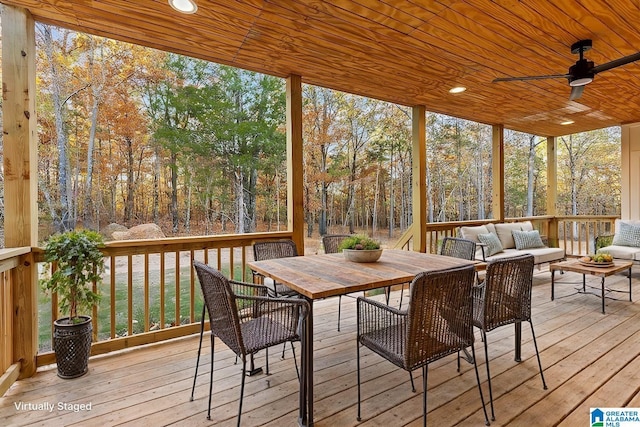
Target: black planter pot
{"points": [[72, 344]]}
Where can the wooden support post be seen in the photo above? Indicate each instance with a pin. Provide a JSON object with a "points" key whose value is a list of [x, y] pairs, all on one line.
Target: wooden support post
{"points": [[20, 175], [552, 190], [497, 168], [419, 177], [295, 175]]}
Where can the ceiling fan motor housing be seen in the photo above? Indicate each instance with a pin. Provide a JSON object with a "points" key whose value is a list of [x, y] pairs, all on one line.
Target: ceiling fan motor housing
{"points": [[581, 73]]}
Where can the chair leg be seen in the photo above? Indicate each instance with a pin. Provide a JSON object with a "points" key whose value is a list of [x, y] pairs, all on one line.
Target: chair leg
{"points": [[266, 360], [535, 344], [486, 356], [358, 376], [244, 375], [413, 386], [339, 306], [193, 388], [211, 377], [295, 360], [425, 369], [401, 295], [484, 407]]}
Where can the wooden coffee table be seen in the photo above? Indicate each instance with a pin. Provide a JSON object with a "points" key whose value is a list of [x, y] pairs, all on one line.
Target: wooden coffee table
{"points": [[602, 272]]}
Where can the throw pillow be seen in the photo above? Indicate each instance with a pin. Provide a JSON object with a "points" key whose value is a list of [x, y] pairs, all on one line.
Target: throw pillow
{"points": [[527, 239], [628, 235], [492, 243]]}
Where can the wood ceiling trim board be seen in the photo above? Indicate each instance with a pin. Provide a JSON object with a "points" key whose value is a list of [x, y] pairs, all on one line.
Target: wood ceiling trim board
{"points": [[364, 65], [441, 30], [206, 49], [345, 33], [170, 26], [501, 39], [380, 14], [407, 64], [520, 32], [418, 11], [614, 21], [528, 27]]}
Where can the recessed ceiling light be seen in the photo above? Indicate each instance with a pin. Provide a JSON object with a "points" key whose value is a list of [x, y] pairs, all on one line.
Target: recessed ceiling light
{"points": [[184, 6], [567, 122], [457, 89]]}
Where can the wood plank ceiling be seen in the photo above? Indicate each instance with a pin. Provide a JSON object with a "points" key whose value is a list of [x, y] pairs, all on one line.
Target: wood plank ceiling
{"points": [[409, 52]]}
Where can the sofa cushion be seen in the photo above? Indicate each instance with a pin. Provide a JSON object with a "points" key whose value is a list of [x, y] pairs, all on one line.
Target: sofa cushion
{"points": [[621, 252], [471, 232], [492, 243], [627, 235], [527, 239], [540, 255], [504, 233]]}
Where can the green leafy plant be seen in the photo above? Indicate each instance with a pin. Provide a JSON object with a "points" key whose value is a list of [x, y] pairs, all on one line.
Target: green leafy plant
{"points": [[359, 242], [78, 264]]}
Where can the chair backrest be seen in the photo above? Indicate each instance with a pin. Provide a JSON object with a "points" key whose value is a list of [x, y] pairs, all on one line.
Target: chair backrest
{"points": [[440, 315], [273, 249], [458, 248], [331, 242], [507, 293], [221, 306]]}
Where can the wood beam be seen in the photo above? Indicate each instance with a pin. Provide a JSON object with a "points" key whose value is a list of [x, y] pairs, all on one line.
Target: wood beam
{"points": [[419, 177], [21, 176], [497, 172], [295, 170], [552, 190]]}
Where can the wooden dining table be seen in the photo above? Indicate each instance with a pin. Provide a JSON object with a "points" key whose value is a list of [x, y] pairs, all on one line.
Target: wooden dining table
{"points": [[327, 275]]}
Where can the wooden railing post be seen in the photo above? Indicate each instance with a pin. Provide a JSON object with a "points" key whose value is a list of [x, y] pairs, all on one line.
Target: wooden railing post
{"points": [[25, 315], [419, 177], [20, 148], [295, 176]]}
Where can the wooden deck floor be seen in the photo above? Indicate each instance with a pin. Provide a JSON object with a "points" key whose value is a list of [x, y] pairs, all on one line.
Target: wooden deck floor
{"points": [[589, 360]]}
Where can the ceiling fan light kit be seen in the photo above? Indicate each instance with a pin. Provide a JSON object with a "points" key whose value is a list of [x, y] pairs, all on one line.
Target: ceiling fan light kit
{"points": [[582, 72]]}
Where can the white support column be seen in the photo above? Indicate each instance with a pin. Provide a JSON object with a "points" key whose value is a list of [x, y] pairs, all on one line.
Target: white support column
{"points": [[630, 171]]}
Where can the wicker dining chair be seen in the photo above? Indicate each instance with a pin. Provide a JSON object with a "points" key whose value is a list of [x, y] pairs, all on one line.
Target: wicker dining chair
{"points": [[502, 299], [331, 244], [273, 249], [454, 247], [458, 248], [246, 320], [438, 322]]}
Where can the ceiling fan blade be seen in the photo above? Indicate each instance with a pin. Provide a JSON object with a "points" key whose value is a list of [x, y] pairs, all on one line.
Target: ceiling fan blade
{"points": [[550, 76], [576, 92], [616, 63]]}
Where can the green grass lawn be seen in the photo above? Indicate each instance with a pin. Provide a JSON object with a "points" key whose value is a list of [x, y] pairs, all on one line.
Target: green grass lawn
{"points": [[121, 304]]}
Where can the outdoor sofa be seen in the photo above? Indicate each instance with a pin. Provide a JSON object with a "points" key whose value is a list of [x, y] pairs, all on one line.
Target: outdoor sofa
{"points": [[503, 240]]}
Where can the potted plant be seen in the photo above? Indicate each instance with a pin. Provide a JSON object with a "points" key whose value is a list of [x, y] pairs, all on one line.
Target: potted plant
{"points": [[360, 248], [78, 263]]}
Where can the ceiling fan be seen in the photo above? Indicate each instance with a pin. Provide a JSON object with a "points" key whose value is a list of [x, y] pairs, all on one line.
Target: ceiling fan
{"points": [[582, 72]]}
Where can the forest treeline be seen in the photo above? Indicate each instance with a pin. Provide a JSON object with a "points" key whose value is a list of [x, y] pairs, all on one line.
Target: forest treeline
{"points": [[133, 135]]}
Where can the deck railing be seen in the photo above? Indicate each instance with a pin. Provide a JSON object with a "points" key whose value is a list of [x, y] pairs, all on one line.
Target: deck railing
{"points": [[149, 290], [9, 262], [576, 234]]}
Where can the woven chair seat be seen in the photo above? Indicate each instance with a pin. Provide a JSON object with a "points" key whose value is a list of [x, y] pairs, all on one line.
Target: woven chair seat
{"points": [[263, 332]]}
